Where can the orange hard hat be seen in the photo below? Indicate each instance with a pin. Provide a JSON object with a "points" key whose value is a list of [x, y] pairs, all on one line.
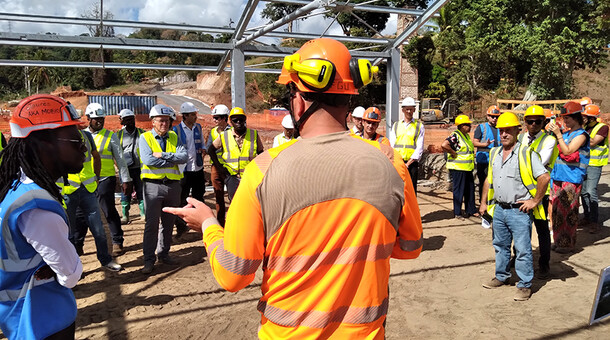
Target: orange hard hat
{"points": [[591, 110], [42, 112], [493, 110], [585, 101], [325, 65], [571, 108], [548, 113], [372, 114]]}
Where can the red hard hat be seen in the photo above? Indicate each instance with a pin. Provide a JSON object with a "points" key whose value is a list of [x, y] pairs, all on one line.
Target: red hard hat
{"points": [[42, 112], [570, 108]]}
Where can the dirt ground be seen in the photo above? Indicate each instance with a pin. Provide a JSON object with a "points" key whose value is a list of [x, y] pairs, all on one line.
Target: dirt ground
{"points": [[437, 296]]}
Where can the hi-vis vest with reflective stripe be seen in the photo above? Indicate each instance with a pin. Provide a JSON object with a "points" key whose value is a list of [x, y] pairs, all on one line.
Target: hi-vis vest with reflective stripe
{"points": [[121, 134], [537, 145], [102, 141], [29, 308], [86, 177], [465, 155], [214, 133], [406, 137], [1, 137], [525, 169], [171, 171], [573, 172], [599, 153], [237, 159]]}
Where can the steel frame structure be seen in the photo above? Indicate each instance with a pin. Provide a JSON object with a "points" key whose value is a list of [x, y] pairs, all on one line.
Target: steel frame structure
{"points": [[240, 46]]}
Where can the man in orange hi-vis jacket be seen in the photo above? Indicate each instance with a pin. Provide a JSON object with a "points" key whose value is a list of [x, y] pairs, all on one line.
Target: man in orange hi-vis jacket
{"points": [[325, 242]]}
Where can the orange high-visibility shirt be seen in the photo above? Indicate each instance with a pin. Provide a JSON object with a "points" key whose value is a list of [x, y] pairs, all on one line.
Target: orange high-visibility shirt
{"points": [[323, 215]]}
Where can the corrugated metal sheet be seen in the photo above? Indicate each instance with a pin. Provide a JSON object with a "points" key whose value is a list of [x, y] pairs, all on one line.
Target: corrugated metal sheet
{"points": [[114, 104]]}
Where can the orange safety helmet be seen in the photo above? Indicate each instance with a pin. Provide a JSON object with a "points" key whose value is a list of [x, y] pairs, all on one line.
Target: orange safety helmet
{"points": [[548, 113], [372, 114], [325, 65], [571, 108], [591, 110], [493, 110], [42, 112], [586, 101]]}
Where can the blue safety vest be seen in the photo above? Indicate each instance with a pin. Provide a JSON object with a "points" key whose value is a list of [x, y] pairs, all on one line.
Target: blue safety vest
{"points": [[487, 134], [573, 172], [29, 308], [197, 136]]}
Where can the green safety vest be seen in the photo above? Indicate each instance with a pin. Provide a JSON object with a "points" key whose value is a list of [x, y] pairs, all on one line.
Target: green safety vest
{"points": [[525, 169], [171, 171], [465, 155], [102, 142], [599, 153], [237, 159], [406, 138], [86, 177]]}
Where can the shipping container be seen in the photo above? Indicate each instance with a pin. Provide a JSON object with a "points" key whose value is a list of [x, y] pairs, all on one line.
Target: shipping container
{"points": [[114, 104]]}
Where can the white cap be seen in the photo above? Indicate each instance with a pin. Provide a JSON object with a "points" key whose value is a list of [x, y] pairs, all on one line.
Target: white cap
{"points": [[162, 110], [358, 112], [220, 110], [188, 107], [126, 113], [95, 110], [408, 102], [287, 122]]}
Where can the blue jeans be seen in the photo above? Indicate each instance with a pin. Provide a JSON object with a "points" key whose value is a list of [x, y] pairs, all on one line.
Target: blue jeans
{"points": [[513, 225], [588, 195], [87, 201]]}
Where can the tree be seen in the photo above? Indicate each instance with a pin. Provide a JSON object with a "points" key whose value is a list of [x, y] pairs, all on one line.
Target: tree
{"points": [[94, 12], [276, 11]]}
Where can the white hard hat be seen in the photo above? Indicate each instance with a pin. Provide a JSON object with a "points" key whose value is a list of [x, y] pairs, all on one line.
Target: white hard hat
{"points": [[95, 110], [358, 112], [188, 107], [220, 110], [408, 102], [287, 122], [162, 110], [126, 113]]}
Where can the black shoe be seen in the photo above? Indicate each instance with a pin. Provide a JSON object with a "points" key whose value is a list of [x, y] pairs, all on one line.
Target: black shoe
{"points": [[168, 260], [543, 274]]}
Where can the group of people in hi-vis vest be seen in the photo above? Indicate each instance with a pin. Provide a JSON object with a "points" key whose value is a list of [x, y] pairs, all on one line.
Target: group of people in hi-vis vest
{"points": [[522, 175]]}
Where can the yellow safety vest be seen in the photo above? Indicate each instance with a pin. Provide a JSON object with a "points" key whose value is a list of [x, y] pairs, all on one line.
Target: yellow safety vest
{"points": [[215, 134], [1, 136], [86, 177], [102, 142], [406, 138], [237, 159], [537, 145], [171, 171], [525, 169], [599, 153], [465, 155]]}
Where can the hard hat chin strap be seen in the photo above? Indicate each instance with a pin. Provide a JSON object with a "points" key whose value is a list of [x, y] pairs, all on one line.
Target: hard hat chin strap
{"points": [[299, 123]]}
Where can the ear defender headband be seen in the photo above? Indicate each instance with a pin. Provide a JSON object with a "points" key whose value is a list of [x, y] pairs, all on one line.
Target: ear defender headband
{"points": [[362, 72]]}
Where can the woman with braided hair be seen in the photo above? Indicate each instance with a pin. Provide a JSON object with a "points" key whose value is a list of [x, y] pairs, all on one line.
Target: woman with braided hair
{"points": [[38, 264]]}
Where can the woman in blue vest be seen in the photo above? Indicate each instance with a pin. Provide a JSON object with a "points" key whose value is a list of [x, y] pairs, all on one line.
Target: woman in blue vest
{"points": [[567, 176], [38, 264]]}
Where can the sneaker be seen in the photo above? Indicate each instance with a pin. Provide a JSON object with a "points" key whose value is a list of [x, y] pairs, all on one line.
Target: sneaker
{"points": [[148, 268], [459, 217], [494, 283], [113, 266], [523, 294], [168, 260], [117, 249]]}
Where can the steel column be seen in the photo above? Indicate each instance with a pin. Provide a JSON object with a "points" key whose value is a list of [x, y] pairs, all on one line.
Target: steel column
{"points": [[392, 89], [238, 79]]}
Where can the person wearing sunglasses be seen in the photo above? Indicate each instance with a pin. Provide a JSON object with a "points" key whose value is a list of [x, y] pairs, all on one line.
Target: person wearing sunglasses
{"points": [[39, 264], [568, 176], [599, 157], [486, 136], [239, 145], [220, 115], [371, 119], [545, 145], [288, 133], [512, 194], [325, 242]]}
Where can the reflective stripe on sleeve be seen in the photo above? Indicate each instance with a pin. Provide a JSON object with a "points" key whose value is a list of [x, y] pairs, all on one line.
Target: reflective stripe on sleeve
{"points": [[236, 264], [411, 245]]}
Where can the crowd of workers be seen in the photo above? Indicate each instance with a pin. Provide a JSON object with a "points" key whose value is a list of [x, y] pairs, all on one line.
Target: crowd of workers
{"points": [[290, 206]]}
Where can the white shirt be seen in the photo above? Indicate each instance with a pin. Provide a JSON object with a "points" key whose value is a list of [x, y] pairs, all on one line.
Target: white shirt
{"points": [[47, 232], [547, 148], [356, 131], [191, 151], [419, 143]]}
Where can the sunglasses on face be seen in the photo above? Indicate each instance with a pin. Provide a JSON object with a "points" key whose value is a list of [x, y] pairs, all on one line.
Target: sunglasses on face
{"points": [[219, 117], [79, 142], [238, 120], [534, 121], [493, 117]]}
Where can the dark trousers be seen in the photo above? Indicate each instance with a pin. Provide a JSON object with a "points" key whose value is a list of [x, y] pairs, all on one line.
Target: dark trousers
{"points": [[195, 181], [65, 334], [414, 173], [134, 173], [463, 191], [482, 176], [544, 237], [232, 182], [218, 182], [105, 196]]}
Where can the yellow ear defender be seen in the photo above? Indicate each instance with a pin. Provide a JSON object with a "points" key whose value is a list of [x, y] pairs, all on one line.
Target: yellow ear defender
{"points": [[316, 74]]}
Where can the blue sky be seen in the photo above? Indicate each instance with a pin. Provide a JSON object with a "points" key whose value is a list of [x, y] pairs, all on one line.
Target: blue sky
{"points": [[197, 12]]}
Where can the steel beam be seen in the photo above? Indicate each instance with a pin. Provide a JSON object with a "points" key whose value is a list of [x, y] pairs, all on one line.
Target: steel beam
{"points": [[239, 31], [355, 6], [392, 89], [238, 79], [418, 23]]}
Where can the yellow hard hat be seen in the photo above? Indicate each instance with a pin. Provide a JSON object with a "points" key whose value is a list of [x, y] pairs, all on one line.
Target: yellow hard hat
{"points": [[462, 119], [534, 110], [507, 119], [236, 111]]}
